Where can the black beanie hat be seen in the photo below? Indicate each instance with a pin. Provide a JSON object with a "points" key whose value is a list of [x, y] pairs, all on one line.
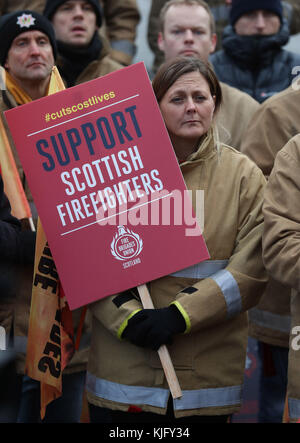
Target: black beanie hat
{"points": [[15, 23], [240, 7], [52, 5]]}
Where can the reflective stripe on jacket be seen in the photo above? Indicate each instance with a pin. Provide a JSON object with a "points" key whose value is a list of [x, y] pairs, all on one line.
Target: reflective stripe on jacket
{"points": [[209, 358], [273, 125], [281, 246]]}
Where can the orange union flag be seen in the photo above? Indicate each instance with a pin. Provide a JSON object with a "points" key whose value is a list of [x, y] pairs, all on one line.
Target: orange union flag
{"points": [[50, 343]]}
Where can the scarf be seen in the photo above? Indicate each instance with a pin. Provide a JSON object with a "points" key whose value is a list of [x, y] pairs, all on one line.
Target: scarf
{"points": [[254, 51], [74, 59], [13, 187]]}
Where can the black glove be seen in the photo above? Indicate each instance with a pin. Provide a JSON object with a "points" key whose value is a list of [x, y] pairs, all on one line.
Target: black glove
{"points": [[151, 328]]}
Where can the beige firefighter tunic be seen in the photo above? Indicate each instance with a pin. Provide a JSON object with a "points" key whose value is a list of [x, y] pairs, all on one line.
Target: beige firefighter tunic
{"points": [[235, 114], [213, 297], [281, 246], [275, 123]]}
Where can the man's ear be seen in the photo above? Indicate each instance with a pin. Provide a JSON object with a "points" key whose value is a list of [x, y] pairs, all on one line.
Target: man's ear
{"points": [[160, 42], [213, 42]]}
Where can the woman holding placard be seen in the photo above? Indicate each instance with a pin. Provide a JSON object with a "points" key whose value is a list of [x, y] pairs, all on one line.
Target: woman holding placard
{"points": [[201, 312]]}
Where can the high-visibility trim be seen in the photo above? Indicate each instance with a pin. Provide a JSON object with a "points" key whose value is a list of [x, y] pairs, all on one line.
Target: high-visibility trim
{"points": [[125, 322], [124, 46], [141, 395], [185, 316], [230, 290], [294, 408], [201, 270], [136, 395], [210, 397], [270, 320]]}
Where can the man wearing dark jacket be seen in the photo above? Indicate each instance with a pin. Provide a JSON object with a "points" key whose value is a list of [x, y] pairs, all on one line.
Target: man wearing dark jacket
{"points": [[17, 247], [253, 59]]}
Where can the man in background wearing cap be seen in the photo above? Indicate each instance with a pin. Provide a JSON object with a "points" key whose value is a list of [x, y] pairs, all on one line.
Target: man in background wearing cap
{"points": [[121, 20], [83, 53], [252, 58], [27, 54]]}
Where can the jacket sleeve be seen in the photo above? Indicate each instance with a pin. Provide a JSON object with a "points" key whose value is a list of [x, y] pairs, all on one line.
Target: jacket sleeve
{"points": [[121, 20], [115, 311], [9, 228], [281, 236], [267, 133], [15, 246], [240, 285]]}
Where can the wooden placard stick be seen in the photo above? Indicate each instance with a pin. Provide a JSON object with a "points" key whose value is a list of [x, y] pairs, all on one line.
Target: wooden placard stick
{"points": [[163, 351]]}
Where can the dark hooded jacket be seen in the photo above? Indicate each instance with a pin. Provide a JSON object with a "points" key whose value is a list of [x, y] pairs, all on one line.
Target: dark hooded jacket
{"points": [[256, 64]]}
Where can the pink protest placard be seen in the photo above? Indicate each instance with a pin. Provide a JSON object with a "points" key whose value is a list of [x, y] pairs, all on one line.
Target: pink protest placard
{"points": [[107, 185]]}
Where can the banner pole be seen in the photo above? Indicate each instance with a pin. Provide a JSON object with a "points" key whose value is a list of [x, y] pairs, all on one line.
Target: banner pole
{"points": [[163, 351]]}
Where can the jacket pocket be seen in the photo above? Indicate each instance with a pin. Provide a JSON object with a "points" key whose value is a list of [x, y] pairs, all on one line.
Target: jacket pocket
{"points": [[181, 353]]}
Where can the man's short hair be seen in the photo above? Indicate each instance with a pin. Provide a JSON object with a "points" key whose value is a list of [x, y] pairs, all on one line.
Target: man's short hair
{"points": [[202, 3]]}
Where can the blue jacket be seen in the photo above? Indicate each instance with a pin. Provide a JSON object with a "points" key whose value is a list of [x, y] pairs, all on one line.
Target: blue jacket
{"points": [[256, 65]]}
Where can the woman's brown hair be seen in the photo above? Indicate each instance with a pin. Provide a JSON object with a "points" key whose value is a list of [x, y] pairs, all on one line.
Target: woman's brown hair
{"points": [[173, 69]]}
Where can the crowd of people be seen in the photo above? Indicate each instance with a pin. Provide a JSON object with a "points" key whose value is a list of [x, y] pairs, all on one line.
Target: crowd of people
{"points": [[228, 93]]}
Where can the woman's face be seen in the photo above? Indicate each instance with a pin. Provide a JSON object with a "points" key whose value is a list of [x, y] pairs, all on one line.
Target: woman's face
{"points": [[188, 107]]}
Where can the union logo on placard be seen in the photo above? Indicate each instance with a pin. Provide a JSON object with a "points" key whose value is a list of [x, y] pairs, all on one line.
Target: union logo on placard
{"points": [[126, 244]]}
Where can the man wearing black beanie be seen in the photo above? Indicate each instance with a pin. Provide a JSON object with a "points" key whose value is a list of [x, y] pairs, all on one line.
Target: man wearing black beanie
{"points": [[27, 56], [83, 52], [32, 29], [253, 58]]}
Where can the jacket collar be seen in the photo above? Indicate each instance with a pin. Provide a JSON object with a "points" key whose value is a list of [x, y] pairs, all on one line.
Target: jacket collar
{"points": [[207, 147], [73, 61]]}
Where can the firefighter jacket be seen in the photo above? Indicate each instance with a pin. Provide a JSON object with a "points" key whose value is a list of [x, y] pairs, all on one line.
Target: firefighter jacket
{"points": [[121, 20], [213, 297], [235, 102], [275, 123], [281, 247]]}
